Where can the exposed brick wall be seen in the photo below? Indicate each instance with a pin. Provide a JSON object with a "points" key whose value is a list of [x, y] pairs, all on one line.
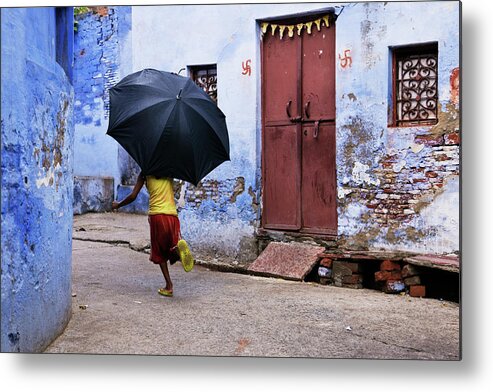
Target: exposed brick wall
{"points": [[405, 187], [393, 180], [218, 194]]}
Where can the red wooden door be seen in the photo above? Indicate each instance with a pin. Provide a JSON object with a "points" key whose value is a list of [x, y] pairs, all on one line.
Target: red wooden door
{"points": [[298, 141]]}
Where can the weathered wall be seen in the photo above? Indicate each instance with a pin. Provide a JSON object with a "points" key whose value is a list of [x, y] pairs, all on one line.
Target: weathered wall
{"points": [[37, 180], [102, 55], [398, 187], [93, 194], [218, 217]]}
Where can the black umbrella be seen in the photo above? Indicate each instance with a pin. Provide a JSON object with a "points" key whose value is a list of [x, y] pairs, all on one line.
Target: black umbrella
{"points": [[168, 125]]}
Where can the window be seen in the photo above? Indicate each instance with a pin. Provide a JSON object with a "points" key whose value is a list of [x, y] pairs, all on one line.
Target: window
{"points": [[205, 76], [415, 90]]}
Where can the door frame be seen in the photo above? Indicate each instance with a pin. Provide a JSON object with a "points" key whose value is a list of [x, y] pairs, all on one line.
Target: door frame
{"points": [[290, 19]]}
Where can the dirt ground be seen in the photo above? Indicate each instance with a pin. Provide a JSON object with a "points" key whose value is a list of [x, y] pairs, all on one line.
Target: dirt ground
{"points": [[116, 309]]}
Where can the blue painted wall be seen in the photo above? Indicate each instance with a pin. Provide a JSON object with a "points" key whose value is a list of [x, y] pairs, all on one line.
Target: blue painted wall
{"points": [[101, 51], [37, 179]]}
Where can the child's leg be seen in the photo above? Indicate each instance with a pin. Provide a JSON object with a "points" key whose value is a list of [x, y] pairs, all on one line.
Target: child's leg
{"points": [[167, 278]]}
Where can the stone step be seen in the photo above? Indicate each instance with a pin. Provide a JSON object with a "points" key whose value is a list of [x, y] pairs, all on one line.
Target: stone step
{"points": [[288, 260]]}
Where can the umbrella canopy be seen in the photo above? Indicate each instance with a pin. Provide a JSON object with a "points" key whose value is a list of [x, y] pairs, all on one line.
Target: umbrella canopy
{"points": [[168, 125]]}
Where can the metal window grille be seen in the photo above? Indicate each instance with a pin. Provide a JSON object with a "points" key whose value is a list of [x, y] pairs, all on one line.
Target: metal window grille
{"points": [[415, 83], [206, 78]]}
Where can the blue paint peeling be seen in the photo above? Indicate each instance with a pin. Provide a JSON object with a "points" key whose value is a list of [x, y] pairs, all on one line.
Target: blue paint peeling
{"points": [[37, 184], [100, 55]]}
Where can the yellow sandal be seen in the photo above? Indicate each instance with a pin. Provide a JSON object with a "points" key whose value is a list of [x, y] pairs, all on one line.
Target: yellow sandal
{"points": [[186, 257], [166, 293]]}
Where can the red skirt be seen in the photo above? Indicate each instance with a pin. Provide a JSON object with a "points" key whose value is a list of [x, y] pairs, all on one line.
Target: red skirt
{"points": [[165, 234]]}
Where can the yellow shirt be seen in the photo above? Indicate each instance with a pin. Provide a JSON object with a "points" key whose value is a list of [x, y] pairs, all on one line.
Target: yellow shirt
{"points": [[161, 196]]}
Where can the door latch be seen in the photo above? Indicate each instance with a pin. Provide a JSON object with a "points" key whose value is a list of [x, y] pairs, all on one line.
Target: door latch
{"points": [[316, 129]]}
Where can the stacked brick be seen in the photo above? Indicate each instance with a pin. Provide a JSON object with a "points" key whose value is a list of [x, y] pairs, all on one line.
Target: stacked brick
{"points": [[325, 270], [347, 274], [412, 280], [389, 278]]}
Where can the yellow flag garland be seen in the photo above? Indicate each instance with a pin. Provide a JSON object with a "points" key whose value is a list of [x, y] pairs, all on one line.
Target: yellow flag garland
{"points": [[290, 31], [281, 30], [322, 21], [309, 27]]}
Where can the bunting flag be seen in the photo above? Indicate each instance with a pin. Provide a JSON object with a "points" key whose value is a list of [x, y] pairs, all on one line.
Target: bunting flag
{"points": [[281, 30], [307, 26], [290, 31]]}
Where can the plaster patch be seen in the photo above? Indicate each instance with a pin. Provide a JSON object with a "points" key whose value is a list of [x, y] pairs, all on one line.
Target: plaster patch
{"points": [[48, 179], [399, 166], [342, 193], [361, 176], [213, 238], [416, 148], [350, 220]]}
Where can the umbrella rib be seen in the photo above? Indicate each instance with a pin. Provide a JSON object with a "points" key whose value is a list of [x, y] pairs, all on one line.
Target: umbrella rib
{"points": [[139, 112], [191, 141], [210, 125]]}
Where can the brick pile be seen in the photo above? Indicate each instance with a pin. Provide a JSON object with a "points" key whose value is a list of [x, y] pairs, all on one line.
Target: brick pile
{"points": [[412, 280], [347, 274], [389, 278], [343, 272], [325, 270]]}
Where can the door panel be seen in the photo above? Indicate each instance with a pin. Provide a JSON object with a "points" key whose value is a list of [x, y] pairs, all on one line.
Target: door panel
{"points": [[319, 207], [281, 194], [281, 74], [318, 77]]}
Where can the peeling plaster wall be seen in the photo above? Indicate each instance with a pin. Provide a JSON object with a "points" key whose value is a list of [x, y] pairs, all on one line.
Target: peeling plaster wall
{"points": [[37, 180], [388, 179], [218, 217], [101, 50], [397, 187]]}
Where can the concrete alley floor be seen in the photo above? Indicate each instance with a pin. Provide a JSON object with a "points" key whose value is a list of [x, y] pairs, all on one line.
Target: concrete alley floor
{"points": [[116, 309]]}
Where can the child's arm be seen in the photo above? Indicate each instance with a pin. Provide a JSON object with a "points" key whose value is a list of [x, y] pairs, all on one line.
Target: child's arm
{"points": [[130, 198]]}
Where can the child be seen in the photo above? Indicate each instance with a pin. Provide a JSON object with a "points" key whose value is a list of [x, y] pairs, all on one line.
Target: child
{"points": [[166, 242]]}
